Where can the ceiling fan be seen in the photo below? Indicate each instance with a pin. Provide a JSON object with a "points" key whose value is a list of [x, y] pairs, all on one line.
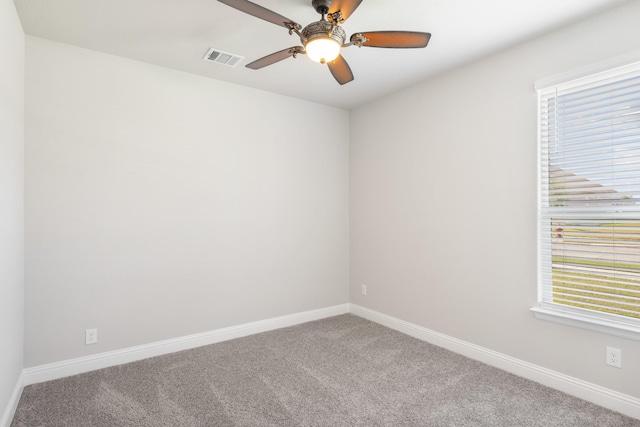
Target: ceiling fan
{"points": [[323, 39]]}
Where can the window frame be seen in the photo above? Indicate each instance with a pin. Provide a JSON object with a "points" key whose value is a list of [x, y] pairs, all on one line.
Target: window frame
{"points": [[610, 324]]}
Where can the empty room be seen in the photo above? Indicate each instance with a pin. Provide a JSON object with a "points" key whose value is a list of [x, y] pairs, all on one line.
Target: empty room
{"points": [[319, 213]]}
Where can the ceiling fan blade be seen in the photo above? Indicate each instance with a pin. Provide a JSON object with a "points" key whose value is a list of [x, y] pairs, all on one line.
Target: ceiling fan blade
{"points": [[340, 70], [396, 39], [261, 12], [275, 57], [345, 6]]}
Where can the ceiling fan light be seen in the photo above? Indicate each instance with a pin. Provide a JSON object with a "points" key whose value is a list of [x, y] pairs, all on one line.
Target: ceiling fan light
{"points": [[322, 49]]}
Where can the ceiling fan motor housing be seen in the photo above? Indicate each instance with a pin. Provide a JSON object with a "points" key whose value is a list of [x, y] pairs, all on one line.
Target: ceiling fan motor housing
{"points": [[323, 29]]}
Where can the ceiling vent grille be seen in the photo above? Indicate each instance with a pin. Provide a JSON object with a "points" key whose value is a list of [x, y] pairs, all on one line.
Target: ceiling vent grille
{"points": [[224, 58]]}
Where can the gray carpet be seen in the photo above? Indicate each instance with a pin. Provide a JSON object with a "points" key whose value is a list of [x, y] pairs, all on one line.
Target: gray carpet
{"points": [[341, 371]]}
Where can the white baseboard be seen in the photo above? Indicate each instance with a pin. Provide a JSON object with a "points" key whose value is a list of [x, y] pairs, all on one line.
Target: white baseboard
{"points": [[625, 404], [52, 371], [10, 410], [604, 397]]}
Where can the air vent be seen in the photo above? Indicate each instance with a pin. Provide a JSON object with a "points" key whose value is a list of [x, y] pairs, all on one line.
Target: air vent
{"points": [[224, 58]]}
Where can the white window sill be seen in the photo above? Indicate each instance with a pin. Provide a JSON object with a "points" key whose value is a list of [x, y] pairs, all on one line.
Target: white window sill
{"points": [[583, 321]]}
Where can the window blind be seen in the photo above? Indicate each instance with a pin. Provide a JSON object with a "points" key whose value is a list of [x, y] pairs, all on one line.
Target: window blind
{"points": [[590, 195]]}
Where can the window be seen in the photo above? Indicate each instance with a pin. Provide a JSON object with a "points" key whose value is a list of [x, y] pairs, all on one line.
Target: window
{"points": [[589, 207]]}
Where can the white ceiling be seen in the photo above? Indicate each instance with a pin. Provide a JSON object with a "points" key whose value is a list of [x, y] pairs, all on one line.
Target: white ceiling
{"points": [[177, 34]]}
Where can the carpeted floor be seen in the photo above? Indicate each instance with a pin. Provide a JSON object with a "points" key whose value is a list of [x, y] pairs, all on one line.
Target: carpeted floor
{"points": [[341, 371]]}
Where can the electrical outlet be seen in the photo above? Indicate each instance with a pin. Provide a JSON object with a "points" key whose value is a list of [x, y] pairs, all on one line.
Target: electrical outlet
{"points": [[91, 336], [364, 289], [614, 357]]}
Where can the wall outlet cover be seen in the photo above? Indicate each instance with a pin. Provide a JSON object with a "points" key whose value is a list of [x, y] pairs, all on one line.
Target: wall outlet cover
{"points": [[614, 357], [91, 336]]}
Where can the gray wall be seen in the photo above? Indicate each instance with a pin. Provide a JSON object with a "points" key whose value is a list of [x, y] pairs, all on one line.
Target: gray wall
{"points": [[443, 203], [161, 204], [11, 200]]}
